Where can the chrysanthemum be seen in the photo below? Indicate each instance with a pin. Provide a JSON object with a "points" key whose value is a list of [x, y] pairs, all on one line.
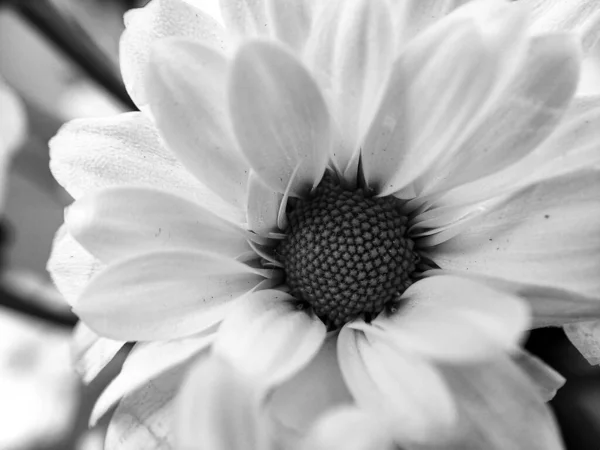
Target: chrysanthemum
{"points": [[400, 186]]}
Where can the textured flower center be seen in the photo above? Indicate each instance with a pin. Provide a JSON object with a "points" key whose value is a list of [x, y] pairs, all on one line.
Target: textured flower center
{"points": [[346, 253]]}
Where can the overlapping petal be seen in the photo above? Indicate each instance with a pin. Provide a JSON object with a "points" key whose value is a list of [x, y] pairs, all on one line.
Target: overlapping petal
{"points": [[347, 428], [523, 117], [148, 361], [219, 409], [547, 380], [263, 206], [71, 266], [351, 48], [119, 222], [446, 318], [398, 388], [280, 118], [420, 115], [319, 387], [268, 337], [545, 234], [188, 101], [91, 353], [158, 20], [164, 294], [499, 408]]}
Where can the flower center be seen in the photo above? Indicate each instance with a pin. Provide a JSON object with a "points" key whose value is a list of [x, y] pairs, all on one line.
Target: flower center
{"points": [[346, 253]]}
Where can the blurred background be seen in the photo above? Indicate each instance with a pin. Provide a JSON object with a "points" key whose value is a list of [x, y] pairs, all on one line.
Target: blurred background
{"points": [[52, 78]]}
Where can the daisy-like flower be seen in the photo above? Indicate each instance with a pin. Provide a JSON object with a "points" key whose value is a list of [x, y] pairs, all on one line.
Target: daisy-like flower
{"points": [[361, 199]]}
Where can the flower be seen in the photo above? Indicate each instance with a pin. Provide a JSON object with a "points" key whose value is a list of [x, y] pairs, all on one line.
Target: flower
{"points": [[480, 208]]}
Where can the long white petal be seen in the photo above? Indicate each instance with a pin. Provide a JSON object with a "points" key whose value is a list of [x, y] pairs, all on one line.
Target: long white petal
{"points": [[280, 118], [91, 353], [158, 20], [188, 101], [404, 392], [118, 222], [163, 294]]}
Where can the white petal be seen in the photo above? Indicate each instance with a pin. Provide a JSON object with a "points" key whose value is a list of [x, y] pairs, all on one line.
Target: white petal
{"points": [[14, 123], [91, 353], [500, 408], [144, 418], [163, 294], [245, 18], [317, 388], [547, 380], [161, 19], [89, 154], [280, 118], [549, 306], [347, 428], [545, 234], [527, 113], [268, 337], [397, 388], [413, 16], [71, 266], [119, 222], [290, 20], [218, 409], [188, 102], [452, 319], [146, 362], [351, 47], [586, 337], [556, 15], [263, 206], [421, 110]]}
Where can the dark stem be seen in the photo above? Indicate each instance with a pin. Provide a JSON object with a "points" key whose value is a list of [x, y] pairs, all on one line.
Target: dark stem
{"points": [[72, 39]]}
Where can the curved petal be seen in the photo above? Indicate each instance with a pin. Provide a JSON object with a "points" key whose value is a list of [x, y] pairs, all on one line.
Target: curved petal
{"points": [[421, 113], [317, 388], [545, 234], [158, 20], [586, 337], [347, 428], [91, 353], [351, 49], [218, 409], [188, 102], [89, 154], [397, 388], [414, 16], [499, 408], [144, 417], [163, 294], [280, 118], [263, 206], [146, 362], [526, 114], [547, 380], [268, 337], [71, 266], [290, 20], [118, 222], [549, 306], [245, 18], [452, 319]]}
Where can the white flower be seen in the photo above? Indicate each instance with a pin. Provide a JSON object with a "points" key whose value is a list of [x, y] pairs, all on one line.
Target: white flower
{"points": [[463, 135]]}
